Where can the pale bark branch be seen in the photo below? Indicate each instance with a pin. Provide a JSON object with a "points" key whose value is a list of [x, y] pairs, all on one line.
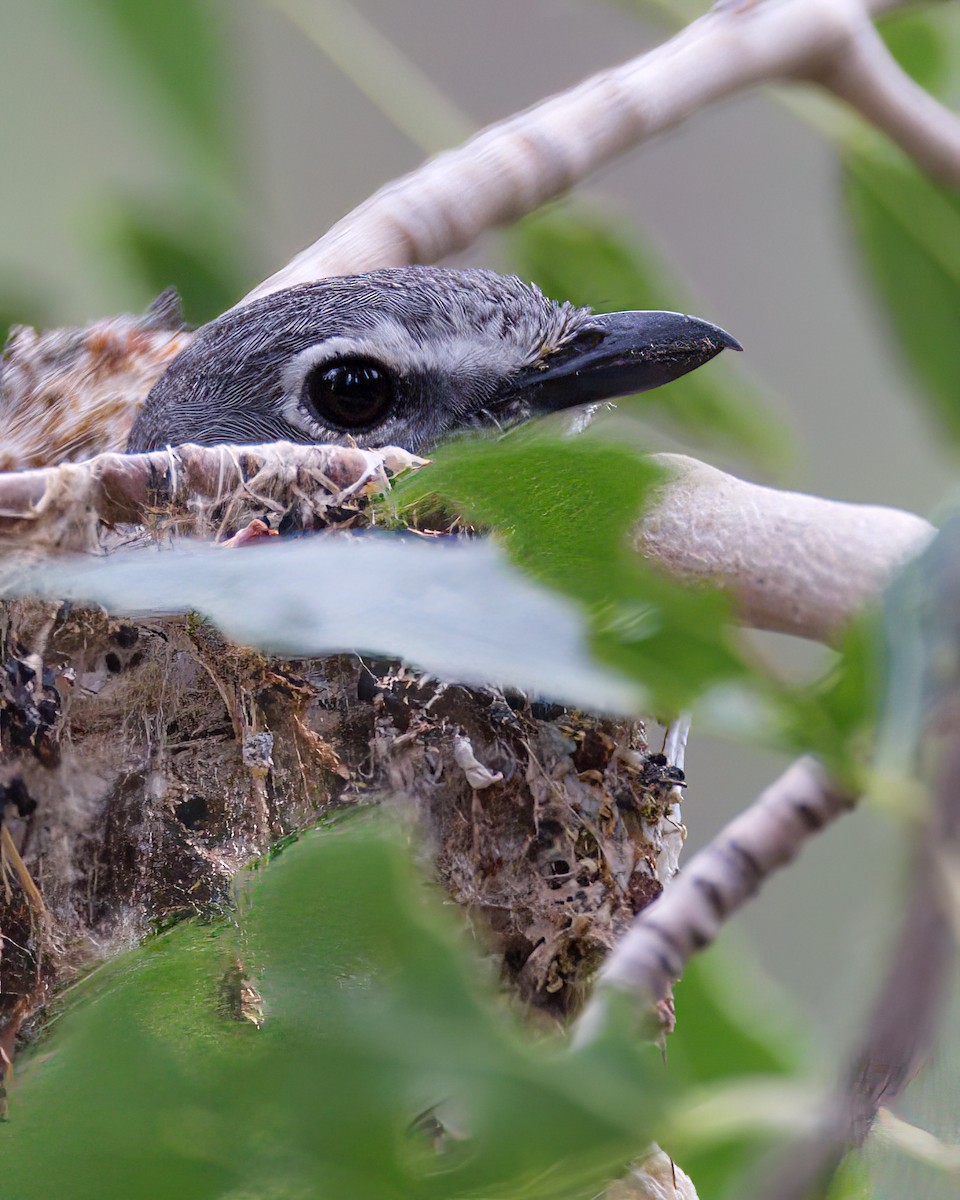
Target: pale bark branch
{"points": [[793, 563], [513, 167], [686, 918], [871, 81]]}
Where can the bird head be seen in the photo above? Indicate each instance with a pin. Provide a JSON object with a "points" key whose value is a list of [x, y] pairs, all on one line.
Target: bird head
{"points": [[408, 356]]}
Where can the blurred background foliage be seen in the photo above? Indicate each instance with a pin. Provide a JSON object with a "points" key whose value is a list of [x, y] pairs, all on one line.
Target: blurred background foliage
{"points": [[199, 143]]}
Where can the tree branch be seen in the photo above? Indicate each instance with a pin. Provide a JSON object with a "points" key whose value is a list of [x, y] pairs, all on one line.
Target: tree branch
{"points": [[517, 165], [904, 1018], [793, 563]]}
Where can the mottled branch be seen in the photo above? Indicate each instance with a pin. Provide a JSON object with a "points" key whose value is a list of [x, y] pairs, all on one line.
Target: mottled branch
{"points": [[904, 1018], [517, 165]]}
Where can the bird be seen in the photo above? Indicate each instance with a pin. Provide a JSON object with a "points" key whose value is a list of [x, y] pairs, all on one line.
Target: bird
{"points": [[409, 357]]}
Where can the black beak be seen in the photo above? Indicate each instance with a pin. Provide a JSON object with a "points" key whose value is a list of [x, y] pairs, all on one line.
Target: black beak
{"points": [[619, 354]]}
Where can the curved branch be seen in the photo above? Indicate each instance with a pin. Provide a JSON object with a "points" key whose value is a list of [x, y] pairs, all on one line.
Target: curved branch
{"points": [[870, 80], [793, 563], [517, 165]]}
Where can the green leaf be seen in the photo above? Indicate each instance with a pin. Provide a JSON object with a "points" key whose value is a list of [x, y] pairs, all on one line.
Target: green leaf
{"points": [[591, 259], [852, 1181], [920, 47], [457, 609], [148, 1088], [836, 716], [730, 1026], [563, 509], [908, 229], [193, 254], [178, 49]]}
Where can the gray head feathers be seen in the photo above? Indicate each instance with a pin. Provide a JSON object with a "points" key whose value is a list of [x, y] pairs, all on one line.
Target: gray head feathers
{"points": [[407, 356]]}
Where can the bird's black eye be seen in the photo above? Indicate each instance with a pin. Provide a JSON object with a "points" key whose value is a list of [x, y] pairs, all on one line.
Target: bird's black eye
{"points": [[351, 394]]}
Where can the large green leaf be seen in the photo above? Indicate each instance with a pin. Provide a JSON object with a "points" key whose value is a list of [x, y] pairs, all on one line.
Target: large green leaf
{"points": [[563, 509], [458, 610], [592, 259], [908, 229], [150, 1088]]}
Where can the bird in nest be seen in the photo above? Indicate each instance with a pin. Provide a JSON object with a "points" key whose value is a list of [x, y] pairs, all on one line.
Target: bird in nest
{"points": [[409, 357]]}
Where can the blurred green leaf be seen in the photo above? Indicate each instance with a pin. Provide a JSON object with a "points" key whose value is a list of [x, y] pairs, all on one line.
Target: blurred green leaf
{"points": [[722, 1033], [836, 716], [180, 47], [919, 46], [591, 259], [195, 255], [22, 306], [563, 509], [725, 1031], [455, 608], [908, 229], [851, 1182], [148, 1088]]}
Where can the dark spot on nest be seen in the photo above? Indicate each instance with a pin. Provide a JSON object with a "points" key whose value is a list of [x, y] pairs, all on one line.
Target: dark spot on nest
{"points": [[125, 636], [594, 751], [456, 704], [290, 522], [642, 890], [368, 685], [398, 709], [29, 716], [541, 710], [338, 514], [624, 799], [548, 832], [517, 949], [113, 663], [191, 813], [557, 872], [15, 792]]}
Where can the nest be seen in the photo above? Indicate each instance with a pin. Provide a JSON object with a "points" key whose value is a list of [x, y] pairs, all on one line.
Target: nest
{"points": [[145, 761]]}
